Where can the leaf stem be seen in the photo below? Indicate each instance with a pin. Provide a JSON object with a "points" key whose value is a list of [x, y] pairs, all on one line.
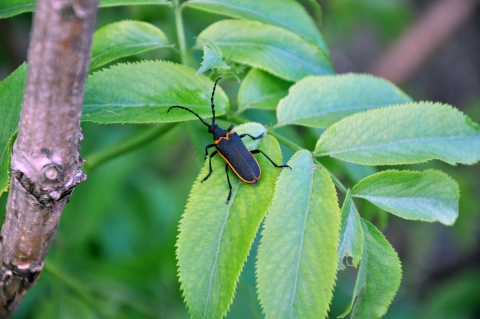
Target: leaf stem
{"points": [[285, 141], [295, 147], [180, 32], [137, 139]]}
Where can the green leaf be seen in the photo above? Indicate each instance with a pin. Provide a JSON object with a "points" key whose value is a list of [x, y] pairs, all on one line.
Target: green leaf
{"points": [[287, 14], [215, 237], [428, 196], [11, 96], [378, 278], [351, 234], [125, 38], [297, 258], [261, 90], [211, 60], [403, 134], [9, 8], [143, 92], [273, 49], [320, 101]]}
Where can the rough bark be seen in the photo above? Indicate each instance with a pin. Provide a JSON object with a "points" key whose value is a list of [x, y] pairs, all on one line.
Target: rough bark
{"points": [[45, 159]]}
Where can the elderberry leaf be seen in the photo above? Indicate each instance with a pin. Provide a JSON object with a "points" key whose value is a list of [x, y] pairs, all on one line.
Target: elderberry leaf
{"points": [[9, 8], [125, 38], [403, 134], [297, 257], [288, 14], [378, 277], [143, 92], [261, 90], [267, 47], [215, 237], [320, 101], [351, 235], [211, 60], [11, 96], [427, 196]]}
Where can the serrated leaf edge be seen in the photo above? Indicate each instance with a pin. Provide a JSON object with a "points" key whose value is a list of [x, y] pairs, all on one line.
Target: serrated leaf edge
{"points": [[420, 103], [412, 172], [248, 253], [149, 25], [314, 166], [326, 77]]}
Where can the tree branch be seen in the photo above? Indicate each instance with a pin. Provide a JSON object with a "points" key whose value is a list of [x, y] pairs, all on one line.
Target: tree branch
{"points": [[45, 160]]}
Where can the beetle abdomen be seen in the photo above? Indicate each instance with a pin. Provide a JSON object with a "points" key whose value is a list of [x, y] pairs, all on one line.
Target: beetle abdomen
{"points": [[238, 157]]}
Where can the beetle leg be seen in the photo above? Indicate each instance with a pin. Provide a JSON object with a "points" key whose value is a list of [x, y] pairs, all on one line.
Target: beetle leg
{"points": [[210, 164], [230, 128], [207, 147], [278, 166], [229, 185], [253, 138]]}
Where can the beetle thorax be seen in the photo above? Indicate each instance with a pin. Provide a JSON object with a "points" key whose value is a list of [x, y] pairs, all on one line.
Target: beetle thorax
{"points": [[217, 131]]}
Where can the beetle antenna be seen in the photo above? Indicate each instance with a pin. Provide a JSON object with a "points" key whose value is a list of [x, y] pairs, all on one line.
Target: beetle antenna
{"points": [[187, 109], [213, 106]]}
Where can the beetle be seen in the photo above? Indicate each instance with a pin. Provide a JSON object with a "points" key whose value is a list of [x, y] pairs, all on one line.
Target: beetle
{"points": [[230, 146]]}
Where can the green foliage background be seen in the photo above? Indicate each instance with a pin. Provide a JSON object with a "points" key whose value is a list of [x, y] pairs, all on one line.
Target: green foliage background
{"points": [[114, 252]]}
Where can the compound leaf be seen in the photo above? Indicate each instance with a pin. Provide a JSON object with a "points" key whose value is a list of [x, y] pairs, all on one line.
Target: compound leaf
{"points": [[273, 49], [11, 96], [428, 196], [143, 92], [403, 134], [261, 90], [124, 38], [215, 237], [351, 235], [287, 14], [297, 258], [320, 101]]}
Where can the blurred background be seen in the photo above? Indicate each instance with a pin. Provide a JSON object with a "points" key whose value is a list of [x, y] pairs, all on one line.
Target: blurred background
{"points": [[114, 252]]}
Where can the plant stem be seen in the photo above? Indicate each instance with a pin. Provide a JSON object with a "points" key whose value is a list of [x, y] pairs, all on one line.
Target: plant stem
{"points": [[180, 32], [285, 141], [295, 147], [131, 142]]}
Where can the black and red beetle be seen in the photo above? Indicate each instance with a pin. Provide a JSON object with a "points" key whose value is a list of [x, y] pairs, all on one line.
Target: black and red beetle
{"points": [[230, 146]]}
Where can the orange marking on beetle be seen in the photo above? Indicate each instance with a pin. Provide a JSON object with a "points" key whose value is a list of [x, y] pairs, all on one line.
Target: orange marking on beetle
{"points": [[226, 137], [255, 179]]}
